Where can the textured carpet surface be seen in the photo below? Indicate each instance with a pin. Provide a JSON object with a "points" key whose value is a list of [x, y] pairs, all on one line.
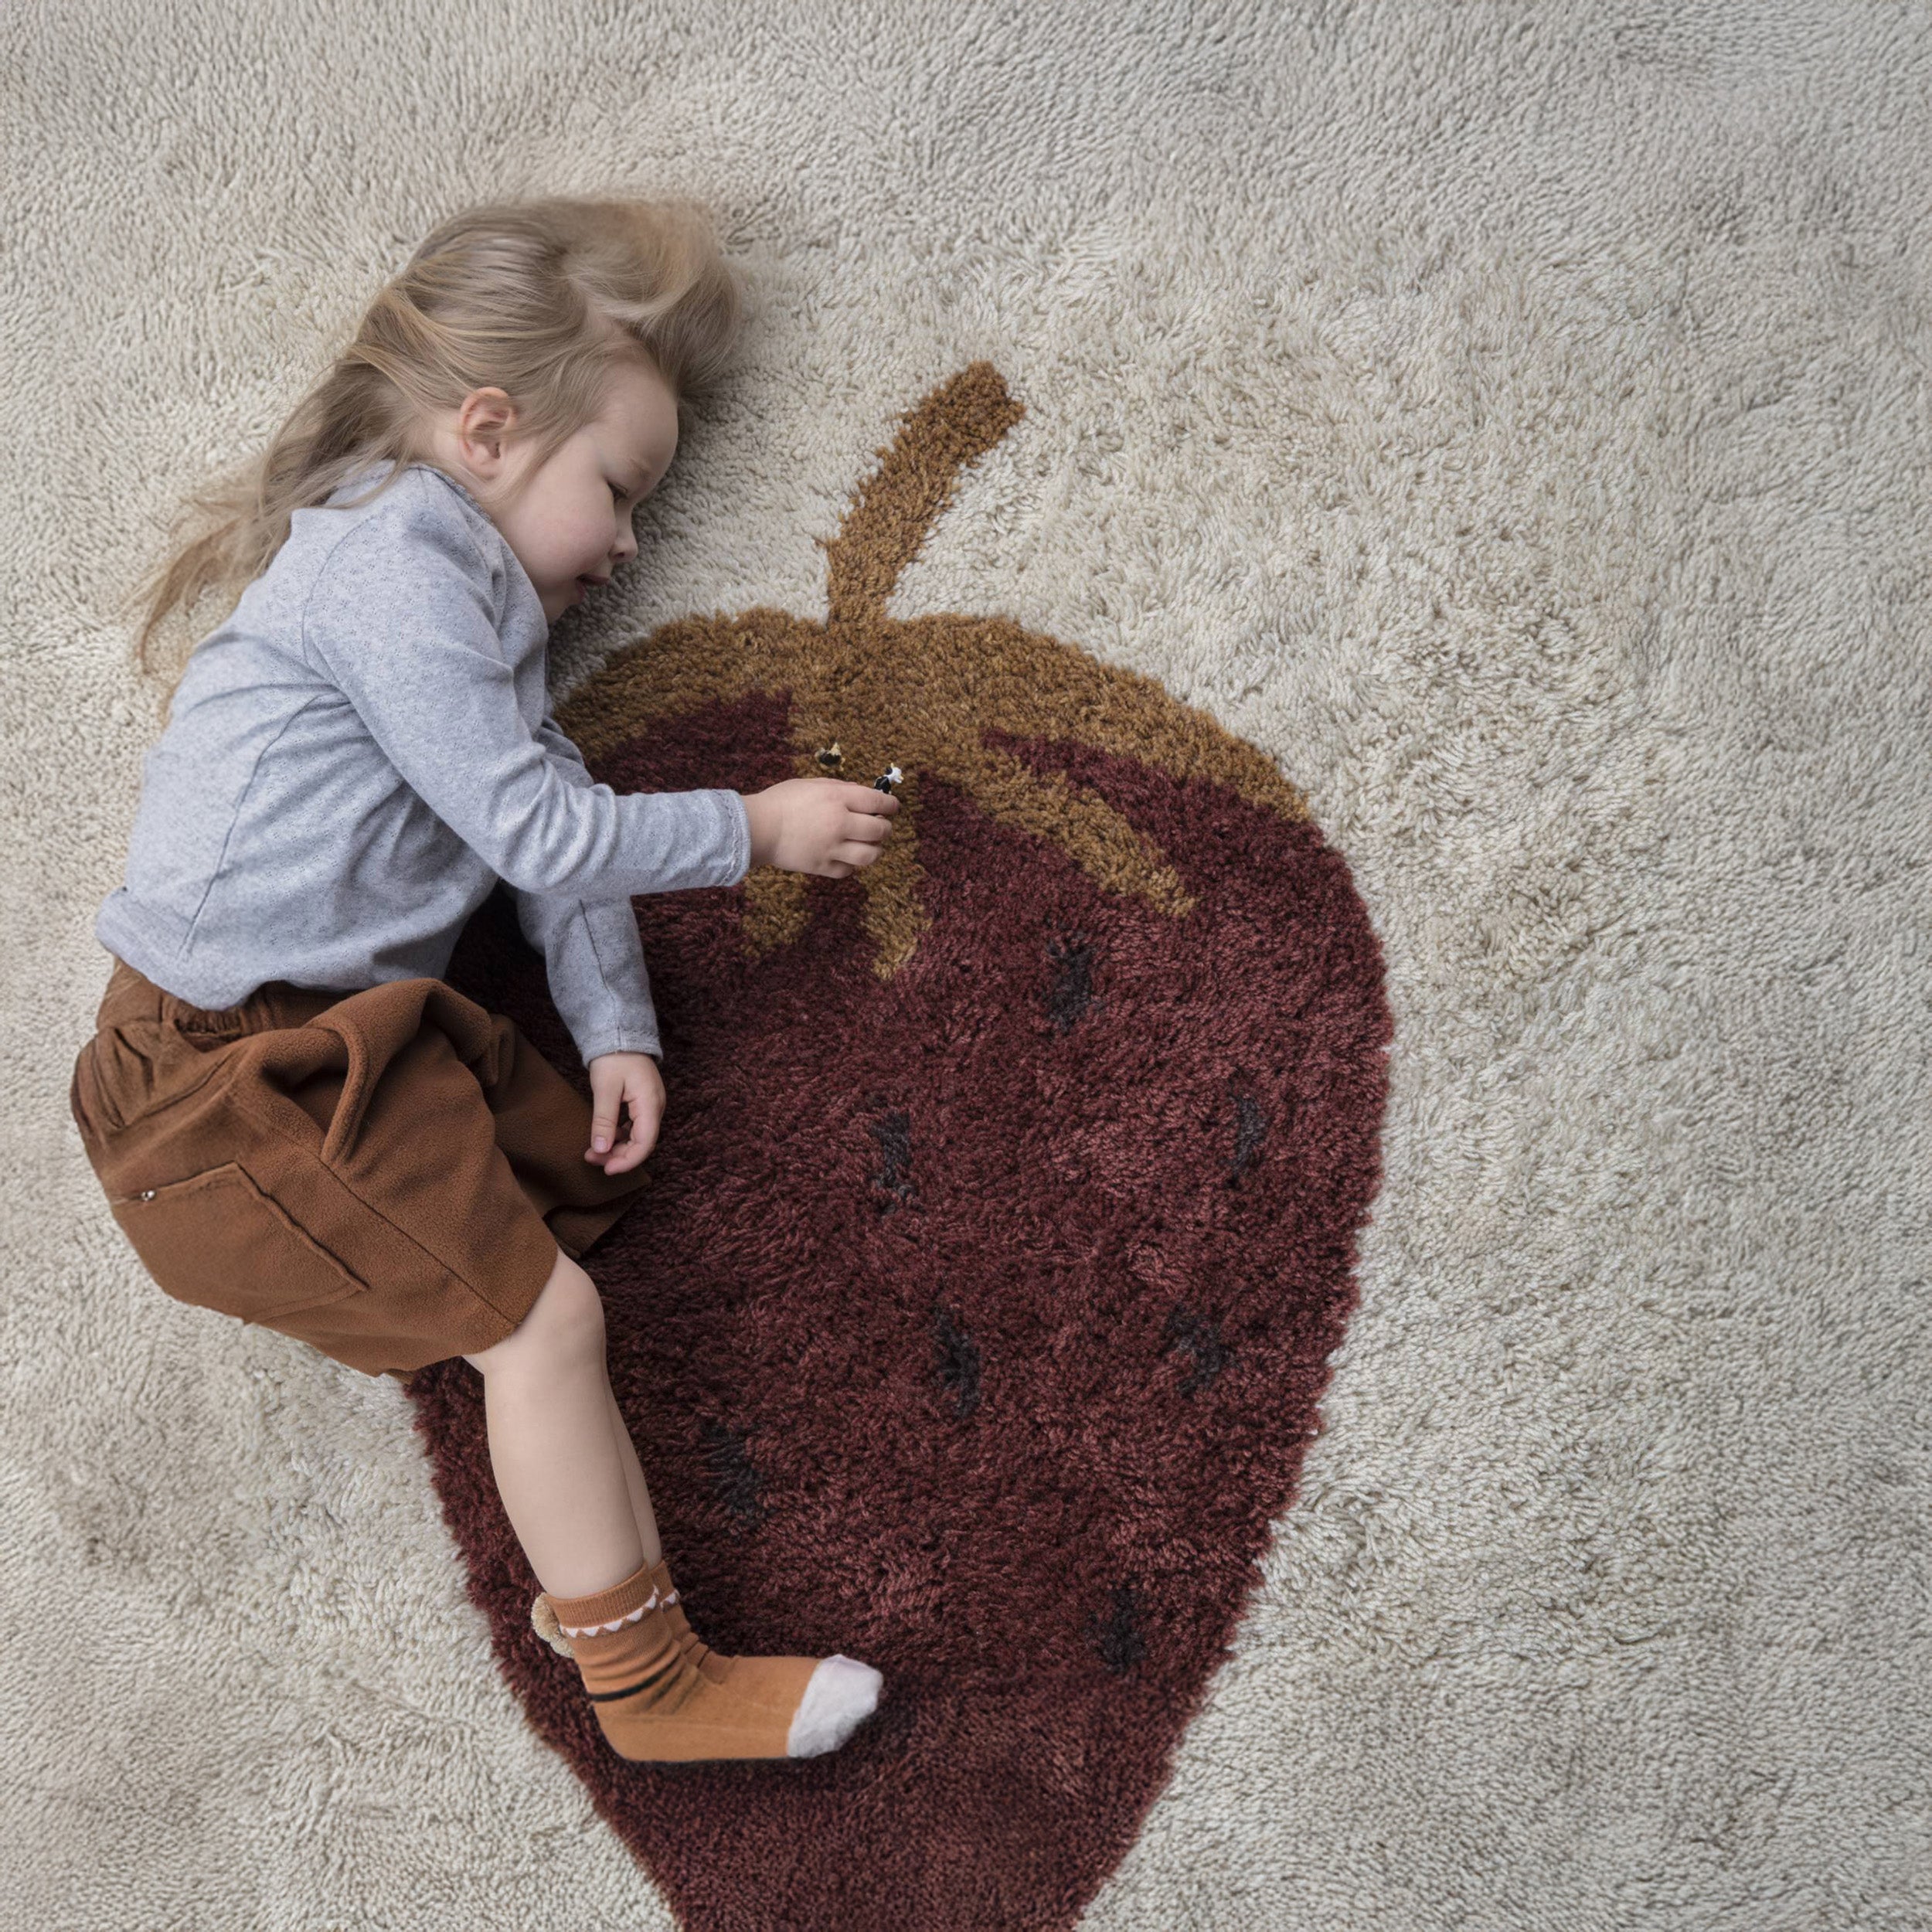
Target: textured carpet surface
{"points": [[1513, 423]]}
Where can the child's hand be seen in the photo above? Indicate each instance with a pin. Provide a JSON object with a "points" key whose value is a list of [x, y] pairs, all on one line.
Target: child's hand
{"points": [[633, 1080], [830, 826]]}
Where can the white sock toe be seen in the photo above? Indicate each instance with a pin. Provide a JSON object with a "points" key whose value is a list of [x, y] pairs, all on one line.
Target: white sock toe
{"points": [[842, 1694]]}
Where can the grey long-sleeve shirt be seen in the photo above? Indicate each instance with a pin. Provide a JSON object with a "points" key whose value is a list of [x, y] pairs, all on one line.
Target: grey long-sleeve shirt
{"points": [[358, 752]]}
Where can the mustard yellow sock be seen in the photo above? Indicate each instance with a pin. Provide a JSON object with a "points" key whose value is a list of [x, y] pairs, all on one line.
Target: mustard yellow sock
{"points": [[660, 1700], [694, 1647]]}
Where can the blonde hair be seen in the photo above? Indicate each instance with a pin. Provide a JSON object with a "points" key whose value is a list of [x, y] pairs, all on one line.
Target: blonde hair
{"points": [[538, 297]]}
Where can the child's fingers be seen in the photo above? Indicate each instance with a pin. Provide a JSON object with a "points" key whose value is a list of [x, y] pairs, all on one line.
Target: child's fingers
{"points": [[644, 1132], [629, 1155], [880, 804], [607, 1095], [624, 1081]]}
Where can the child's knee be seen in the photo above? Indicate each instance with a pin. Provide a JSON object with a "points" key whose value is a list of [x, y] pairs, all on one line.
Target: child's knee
{"points": [[565, 1324]]}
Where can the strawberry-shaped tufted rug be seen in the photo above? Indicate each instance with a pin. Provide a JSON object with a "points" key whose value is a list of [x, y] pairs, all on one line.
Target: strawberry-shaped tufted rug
{"points": [[1001, 1222]]}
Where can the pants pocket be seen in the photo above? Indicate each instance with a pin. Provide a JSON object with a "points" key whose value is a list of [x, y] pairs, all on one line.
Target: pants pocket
{"points": [[217, 1241]]}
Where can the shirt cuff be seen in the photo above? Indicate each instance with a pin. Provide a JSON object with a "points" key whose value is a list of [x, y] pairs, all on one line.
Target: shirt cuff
{"points": [[621, 1043]]}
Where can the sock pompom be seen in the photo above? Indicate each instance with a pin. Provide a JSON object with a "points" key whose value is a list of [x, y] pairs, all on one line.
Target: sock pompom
{"points": [[544, 1621]]}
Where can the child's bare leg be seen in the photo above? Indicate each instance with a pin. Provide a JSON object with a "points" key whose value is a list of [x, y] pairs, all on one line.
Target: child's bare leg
{"points": [[576, 1497], [548, 1404], [641, 1507]]}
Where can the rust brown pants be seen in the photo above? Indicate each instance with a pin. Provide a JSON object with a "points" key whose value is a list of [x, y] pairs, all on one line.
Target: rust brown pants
{"points": [[386, 1176]]}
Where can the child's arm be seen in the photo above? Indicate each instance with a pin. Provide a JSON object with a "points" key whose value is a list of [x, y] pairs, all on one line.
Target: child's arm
{"points": [[400, 622], [598, 976], [591, 953], [590, 947]]}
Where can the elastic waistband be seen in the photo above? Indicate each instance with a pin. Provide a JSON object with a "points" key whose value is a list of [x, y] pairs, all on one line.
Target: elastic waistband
{"points": [[131, 995]]}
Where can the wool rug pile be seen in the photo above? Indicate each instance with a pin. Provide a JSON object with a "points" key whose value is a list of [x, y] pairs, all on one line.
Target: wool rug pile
{"points": [[1328, 1267]]}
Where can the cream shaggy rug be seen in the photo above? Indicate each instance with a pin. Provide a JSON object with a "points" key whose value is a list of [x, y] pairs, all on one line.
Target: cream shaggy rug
{"points": [[1515, 423]]}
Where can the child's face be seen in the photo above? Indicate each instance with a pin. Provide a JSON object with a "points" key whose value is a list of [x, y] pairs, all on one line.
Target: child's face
{"points": [[571, 519]]}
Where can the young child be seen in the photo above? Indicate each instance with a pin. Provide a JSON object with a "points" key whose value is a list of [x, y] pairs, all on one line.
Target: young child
{"points": [[295, 1121]]}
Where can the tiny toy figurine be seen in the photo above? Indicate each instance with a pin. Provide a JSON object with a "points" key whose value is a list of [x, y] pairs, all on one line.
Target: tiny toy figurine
{"points": [[832, 758]]}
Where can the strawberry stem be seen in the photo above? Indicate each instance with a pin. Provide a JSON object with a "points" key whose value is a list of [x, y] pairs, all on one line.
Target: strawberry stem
{"points": [[954, 426]]}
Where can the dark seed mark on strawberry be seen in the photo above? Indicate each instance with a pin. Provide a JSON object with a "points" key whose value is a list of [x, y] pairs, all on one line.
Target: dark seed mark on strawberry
{"points": [[1186, 1329], [1118, 1635], [1250, 1126], [894, 1134], [1073, 990], [733, 1475], [958, 1362]]}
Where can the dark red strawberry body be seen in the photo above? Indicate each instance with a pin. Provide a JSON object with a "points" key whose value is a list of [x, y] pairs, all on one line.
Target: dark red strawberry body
{"points": [[976, 1319]]}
